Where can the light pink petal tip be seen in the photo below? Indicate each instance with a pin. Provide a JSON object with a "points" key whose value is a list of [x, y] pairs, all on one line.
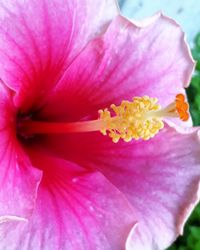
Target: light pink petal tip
{"points": [[186, 53], [73, 212], [18, 179], [127, 61], [39, 39], [184, 46]]}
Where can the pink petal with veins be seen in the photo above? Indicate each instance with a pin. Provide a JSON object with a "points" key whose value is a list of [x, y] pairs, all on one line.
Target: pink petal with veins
{"points": [[75, 210], [39, 39], [160, 178], [18, 179], [126, 61]]}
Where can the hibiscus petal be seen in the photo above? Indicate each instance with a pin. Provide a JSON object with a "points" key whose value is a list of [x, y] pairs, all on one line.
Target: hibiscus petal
{"points": [[160, 178], [38, 39], [149, 60], [129, 60], [73, 212], [18, 179]]}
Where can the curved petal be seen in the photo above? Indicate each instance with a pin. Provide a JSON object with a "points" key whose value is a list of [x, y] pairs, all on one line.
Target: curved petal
{"points": [[160, 178], [39, 39], [18, 179], [74, 211], [128, 60]]}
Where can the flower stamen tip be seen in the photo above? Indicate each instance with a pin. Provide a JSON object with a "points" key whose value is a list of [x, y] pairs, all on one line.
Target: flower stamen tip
{"points": [[182, 107], [140, 119]]}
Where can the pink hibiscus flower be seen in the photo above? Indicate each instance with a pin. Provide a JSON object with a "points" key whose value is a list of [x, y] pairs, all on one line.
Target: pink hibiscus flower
{"points": [[61, 62]]}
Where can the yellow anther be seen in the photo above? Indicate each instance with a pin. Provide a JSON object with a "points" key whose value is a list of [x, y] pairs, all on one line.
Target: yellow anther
{"points": [[132, 120]]}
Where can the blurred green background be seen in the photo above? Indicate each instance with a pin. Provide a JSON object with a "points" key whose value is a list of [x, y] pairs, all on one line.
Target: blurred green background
{"points": [[191, 238]]}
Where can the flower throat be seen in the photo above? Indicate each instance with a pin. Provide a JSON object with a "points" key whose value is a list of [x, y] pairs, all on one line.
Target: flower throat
{"points": [[140, 119]]}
